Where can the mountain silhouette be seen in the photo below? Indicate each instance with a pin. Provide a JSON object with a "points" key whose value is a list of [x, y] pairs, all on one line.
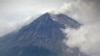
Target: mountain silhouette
{"points": [[42, 37]]}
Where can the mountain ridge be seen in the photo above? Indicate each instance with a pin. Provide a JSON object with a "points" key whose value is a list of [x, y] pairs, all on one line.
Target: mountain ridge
{"points": [[44, 34]]}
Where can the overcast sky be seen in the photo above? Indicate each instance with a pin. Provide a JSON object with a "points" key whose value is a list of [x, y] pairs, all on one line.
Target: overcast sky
{"points": [[14, 13], [29, 5]]}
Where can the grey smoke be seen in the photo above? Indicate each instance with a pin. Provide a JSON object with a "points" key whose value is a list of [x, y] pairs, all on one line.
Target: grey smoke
{"points": [[87, 38], [86, 12]]}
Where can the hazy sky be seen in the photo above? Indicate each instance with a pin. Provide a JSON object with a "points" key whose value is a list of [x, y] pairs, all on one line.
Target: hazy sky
{"points": [[29, 5], [14, 13]]}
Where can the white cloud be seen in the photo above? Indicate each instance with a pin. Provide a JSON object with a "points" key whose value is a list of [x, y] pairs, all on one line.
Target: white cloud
{"points": [[15, 12], [87, 12], [87, 38], [9, 24]]}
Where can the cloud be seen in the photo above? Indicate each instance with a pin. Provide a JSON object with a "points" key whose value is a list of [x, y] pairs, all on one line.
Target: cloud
{"points": [[29, 5], [6, 26], [9, 24], [87, 38], [14, 12], [82, 9]]}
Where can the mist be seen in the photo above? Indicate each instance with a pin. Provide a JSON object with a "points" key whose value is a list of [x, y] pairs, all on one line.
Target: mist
{"points": [[16, 13], [87, 37], [14, 25]]}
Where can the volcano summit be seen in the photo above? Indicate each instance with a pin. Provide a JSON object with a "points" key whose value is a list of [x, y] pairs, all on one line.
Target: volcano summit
{"points": [[42, 37]]}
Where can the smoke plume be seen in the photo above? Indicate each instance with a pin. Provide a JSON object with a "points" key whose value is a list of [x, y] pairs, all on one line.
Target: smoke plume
{"points": [[87, 37]]}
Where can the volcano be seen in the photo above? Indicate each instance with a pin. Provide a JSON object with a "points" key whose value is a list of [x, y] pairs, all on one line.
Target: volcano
{"points": [[42, 37]]}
